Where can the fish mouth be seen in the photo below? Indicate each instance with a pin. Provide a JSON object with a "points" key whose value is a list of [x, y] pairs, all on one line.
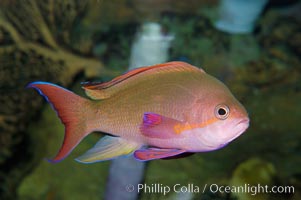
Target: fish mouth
{"points": [[241, 126], [244, 122]]}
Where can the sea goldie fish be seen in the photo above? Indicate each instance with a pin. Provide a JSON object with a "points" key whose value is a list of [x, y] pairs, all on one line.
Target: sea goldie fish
{"points": [[151, 112]]}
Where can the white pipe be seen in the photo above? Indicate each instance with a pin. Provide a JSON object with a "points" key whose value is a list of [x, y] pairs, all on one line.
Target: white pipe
{"points": [[150, 47], [239, 16]]}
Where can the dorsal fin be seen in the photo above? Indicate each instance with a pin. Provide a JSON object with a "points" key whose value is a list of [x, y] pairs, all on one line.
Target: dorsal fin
{"points": [[94, 92], [102, 91]]}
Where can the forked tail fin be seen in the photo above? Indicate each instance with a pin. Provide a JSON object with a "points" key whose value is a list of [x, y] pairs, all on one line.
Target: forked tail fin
{"points": [[71, 109]]}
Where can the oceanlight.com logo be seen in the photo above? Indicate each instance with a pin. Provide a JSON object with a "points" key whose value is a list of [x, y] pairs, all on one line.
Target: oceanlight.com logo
{"points": [[158, 188], [252, 189]]}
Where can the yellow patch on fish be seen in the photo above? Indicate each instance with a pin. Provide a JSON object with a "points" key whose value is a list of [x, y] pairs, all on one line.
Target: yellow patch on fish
{"points": [[179, 128]]}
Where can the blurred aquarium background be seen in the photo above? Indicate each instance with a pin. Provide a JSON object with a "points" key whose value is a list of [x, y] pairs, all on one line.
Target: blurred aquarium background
{"points": [[70, 41]]}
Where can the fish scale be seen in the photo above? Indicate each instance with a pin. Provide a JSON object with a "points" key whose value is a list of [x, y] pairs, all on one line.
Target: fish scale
{"points": [[153, 112]]}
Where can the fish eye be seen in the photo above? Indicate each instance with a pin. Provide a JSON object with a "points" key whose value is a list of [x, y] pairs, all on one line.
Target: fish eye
{"points": [[222, 111]]}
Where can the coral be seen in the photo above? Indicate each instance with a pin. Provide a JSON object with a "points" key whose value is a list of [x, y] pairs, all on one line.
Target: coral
{"points": [[29, 31], [35, 44], [197, 35], [279, 65], [139, 11]]}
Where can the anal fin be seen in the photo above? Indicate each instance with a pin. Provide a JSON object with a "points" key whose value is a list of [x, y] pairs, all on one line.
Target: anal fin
{"points": [[108, 148], [156, 153]]}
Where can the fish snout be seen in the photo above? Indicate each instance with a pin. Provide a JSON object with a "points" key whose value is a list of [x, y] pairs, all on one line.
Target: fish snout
{"points": [[242, 125], [244, 120]]}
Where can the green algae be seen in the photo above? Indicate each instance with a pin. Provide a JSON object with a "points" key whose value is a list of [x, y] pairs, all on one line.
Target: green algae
{"points": [[253, 172]]}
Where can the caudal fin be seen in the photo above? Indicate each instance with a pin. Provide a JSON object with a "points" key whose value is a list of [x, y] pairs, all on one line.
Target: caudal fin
{"points": [[71, 109]]}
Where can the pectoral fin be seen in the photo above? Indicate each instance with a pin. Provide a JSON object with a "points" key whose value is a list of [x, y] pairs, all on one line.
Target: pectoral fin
{"points": [[158, 126], [108, 148], [155, 153]]}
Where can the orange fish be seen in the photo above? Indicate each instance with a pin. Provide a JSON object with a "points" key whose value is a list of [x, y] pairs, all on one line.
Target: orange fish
{"points": [[151, 112]]}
